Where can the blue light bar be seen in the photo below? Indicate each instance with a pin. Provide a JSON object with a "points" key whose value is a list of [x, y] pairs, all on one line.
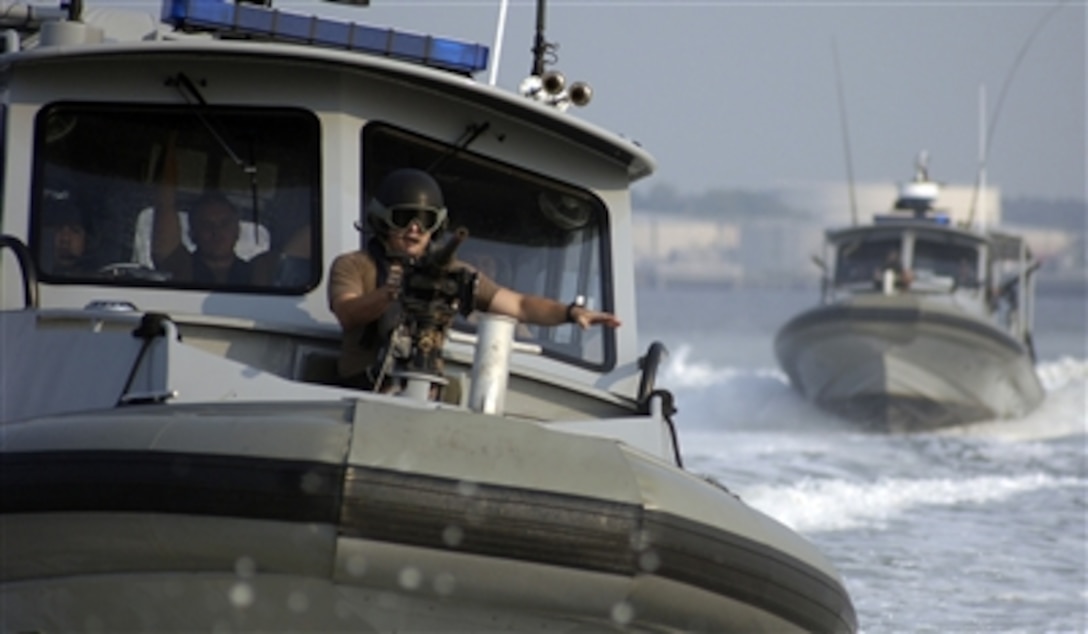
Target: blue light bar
{"points": [[936, 219], [227, 18]]}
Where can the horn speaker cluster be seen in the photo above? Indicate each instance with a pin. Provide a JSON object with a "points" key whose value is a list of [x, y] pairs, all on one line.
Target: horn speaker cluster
{"points": [[551, 88]]}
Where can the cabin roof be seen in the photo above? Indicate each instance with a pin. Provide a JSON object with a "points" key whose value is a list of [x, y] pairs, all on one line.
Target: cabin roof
{"points": [[918, 228], [1003, 246], [636, 161]]}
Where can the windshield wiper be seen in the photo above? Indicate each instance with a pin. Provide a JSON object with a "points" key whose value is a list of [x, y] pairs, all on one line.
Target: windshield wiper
{"points": [[191, 94], [471, 133]]}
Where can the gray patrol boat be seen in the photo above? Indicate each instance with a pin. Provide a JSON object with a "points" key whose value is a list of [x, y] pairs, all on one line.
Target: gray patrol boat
{"points": [[178, 454], [921, 324]]}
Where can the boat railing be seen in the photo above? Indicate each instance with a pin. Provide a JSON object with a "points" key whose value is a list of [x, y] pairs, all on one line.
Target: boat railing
{"points": [[26, 267], [1013, 298]]}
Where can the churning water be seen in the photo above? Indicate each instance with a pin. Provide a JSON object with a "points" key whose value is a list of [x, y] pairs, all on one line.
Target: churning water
{"points": [[980, 528]]}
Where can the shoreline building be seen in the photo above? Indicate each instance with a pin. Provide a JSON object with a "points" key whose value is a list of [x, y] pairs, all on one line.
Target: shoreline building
{"points": [[675, 248]]}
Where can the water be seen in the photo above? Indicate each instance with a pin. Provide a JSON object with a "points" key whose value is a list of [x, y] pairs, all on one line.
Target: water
{"points": [[981, 528]]}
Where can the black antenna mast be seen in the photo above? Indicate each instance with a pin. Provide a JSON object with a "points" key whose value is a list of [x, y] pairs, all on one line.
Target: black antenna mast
{"points": [[542, 49]]}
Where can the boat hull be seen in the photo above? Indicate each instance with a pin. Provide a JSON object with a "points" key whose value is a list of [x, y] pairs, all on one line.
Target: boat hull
{"points": [[904, 364], [373, 516]]}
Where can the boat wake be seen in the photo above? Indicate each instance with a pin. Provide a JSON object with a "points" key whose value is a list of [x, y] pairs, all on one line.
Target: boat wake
{"points": [[817, 473], [813, 505], [736, 398], [1063, 413]]}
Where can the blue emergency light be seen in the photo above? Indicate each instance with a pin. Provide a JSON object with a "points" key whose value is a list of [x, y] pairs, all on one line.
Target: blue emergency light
{"points": [[248, 20], [933, 219]]}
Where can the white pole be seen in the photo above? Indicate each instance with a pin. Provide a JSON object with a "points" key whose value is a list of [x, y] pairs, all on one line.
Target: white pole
{"points": [[498, 41], [491, 363]]}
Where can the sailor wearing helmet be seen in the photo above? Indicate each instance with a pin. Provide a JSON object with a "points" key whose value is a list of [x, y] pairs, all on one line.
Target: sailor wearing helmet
{"points": [[407, 211]]}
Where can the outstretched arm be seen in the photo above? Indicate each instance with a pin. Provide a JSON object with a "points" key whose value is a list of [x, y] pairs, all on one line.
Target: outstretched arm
{"points": [[543, 311]]}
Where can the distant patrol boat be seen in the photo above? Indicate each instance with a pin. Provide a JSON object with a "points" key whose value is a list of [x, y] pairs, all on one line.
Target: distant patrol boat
{"points": [[921, 324]]}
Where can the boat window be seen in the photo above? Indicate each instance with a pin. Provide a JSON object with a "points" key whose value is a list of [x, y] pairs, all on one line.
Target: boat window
{"points": [[862, 260], [197, 197], [957, 262], [530, 233]]}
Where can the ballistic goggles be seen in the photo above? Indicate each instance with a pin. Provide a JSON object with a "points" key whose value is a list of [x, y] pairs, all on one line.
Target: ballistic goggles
{"points": [[401, 217]]}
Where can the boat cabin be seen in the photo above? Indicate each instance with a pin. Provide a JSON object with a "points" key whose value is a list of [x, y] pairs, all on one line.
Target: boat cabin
{"points": [[921, 258], [989, 274], [113, 130], [536, 234]]}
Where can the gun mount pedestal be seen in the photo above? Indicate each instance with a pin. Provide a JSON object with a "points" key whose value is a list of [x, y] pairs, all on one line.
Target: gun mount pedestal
{"points": [[420, 385], [433, 292]]}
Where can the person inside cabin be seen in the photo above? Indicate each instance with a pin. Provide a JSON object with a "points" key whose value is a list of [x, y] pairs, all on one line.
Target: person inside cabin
{"points": [[72, 237], [966, 276], [215, 226], [894, 263], [407, 212]]}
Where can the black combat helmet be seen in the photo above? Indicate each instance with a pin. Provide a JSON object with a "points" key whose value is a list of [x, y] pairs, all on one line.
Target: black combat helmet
{"points": [[405, 195]]}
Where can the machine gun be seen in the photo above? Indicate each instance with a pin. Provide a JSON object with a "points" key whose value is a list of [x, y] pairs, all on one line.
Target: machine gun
{"points": [[432, 293]]}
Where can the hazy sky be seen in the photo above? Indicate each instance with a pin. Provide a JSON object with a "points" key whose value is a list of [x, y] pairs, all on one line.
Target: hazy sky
{"points": [[744, 94]]}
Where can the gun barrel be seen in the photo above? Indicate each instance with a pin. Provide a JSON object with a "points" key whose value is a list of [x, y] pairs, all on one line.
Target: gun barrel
{"points": [[444, 256]]}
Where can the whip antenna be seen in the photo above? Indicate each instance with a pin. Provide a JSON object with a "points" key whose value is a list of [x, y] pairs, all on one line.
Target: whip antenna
{"points": [[499, 29], [987, 142], [845, 135]]}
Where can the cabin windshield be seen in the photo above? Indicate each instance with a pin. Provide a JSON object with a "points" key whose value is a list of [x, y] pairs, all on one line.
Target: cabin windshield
{"points": [[861, 261], [198, 197], [947, 260], [527, 232]]}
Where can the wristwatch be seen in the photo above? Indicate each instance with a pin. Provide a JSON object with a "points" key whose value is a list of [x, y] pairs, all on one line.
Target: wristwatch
{"points": [[580, 302]]}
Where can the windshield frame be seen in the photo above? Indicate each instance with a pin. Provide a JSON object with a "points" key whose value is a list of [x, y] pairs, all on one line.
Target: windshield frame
{"points": [[271, 155]]}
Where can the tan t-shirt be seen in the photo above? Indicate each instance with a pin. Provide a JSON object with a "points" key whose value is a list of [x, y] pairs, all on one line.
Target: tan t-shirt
{"points": [[356, 273]]}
